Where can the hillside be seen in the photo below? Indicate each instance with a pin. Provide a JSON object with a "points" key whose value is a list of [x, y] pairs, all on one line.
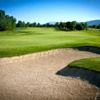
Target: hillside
{"points": [[93, 22]]}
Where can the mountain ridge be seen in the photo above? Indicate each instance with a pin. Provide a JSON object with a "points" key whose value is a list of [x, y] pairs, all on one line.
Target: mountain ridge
{"points": [[93, 22]]}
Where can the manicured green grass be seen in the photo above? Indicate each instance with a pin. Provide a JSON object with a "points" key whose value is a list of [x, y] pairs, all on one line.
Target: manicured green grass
{"points": [[88, 63], [27, 40]]}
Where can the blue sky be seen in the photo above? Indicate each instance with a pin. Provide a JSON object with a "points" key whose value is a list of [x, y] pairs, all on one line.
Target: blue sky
{"points": [[52, 10]]}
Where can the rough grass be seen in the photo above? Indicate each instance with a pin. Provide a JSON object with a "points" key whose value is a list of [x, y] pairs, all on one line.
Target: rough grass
{"points": [[27, 40], [87, 63]]}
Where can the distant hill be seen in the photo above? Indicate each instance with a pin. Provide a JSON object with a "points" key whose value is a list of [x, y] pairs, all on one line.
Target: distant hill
{"points": [[93, 22], [51, 23]]}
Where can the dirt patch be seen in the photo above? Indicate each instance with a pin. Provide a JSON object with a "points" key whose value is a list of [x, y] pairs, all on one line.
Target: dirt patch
{"points": [[33, 77]]}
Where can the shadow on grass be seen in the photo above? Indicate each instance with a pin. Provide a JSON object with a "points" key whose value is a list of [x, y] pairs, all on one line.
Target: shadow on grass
{"points": [[84, 74], [89, 48]]}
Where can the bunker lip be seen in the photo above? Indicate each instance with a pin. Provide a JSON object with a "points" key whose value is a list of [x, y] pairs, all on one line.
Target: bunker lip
{"points": [[89, 49], [33, 77]]}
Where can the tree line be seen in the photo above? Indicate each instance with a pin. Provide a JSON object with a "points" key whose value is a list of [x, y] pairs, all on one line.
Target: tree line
{"points": [[9, 23], [34, 24], [95, 26], [6, 22], [69, 26], [27, 24]]}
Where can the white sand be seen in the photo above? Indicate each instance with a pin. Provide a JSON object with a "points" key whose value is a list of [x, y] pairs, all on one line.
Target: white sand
{"points": [[33, 77]]}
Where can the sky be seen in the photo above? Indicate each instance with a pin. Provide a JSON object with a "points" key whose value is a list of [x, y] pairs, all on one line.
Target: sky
{"points": [[44, 11]]}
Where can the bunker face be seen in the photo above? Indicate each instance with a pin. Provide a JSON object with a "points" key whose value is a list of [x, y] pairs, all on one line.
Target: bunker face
{"points": [[33, 77], [84, 74]]}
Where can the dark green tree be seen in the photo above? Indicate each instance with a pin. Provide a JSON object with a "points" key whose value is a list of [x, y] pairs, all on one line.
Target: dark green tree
{"points": [[6, 22], [2, 20], [69, 26], [79, 26], [21, 24], [38, 25], [34, 24], [73, 25], [98, 26]]}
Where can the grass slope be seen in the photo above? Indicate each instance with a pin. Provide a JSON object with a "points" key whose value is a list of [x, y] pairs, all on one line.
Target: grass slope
{"points": [[27, 40], [87, 63]]}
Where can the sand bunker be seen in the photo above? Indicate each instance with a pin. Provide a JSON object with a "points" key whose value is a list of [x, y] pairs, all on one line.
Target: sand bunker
{"points": [[33, 77]]}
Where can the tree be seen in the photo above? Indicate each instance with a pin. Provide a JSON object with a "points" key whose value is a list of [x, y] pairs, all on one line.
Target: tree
{"points": [[98, 26], [27, 24], [79, 27], [21, 24], [61, 25], [6, 22], [38, 25], [69, 26], [10, 22], [2, 20], [34, 24], [2, 13], [73, 24]]}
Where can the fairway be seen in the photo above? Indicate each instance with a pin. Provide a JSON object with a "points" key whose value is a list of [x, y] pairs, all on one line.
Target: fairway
{"points": [[29, 40]]}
